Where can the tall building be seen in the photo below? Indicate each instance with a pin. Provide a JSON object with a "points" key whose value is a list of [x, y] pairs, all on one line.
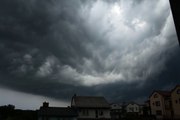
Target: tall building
{"points": [[175, 98], [166, 104], [160, 102]]}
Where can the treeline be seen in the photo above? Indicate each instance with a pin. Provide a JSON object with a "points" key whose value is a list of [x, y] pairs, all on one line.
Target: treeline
{"points": [[8, 112]]}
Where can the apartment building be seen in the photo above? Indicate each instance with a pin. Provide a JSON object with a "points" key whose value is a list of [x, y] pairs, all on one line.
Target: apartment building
{"points": [[160, 103], [175, 99]]}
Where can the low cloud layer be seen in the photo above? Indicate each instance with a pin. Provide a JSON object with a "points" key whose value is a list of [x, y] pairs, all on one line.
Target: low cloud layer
{"points": [[56, 47], [26, 101]]}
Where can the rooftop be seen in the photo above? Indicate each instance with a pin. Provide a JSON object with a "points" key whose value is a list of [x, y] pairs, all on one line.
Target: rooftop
{"points": [[90, 102]]}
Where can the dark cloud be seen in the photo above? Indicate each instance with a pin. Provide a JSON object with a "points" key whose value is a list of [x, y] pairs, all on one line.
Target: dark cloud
{"points": [[58, 48]]}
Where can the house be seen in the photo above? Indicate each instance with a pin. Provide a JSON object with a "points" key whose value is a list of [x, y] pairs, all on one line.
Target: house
{"points": [[116, 111], [144, 109], [141, 109], [132, 108], [160, 103], [56, 113], [175, 99], [91, 107], [147, 108]]}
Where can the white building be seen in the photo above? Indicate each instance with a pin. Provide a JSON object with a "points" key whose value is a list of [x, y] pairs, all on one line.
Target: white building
{"points": [[91, 107], [132, 108]]}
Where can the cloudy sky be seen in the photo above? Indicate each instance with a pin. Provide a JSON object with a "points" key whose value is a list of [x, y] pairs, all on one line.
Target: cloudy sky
{"points": [[51, 49]]}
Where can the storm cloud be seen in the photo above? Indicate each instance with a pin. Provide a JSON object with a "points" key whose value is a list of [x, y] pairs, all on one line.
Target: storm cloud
{"points": [[58, 48]]}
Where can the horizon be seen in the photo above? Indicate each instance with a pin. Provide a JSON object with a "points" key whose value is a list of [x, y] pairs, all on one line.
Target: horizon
{"points": [[119, 49]]}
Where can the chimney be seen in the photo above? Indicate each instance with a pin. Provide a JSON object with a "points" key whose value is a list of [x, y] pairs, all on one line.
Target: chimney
{"points": [[45, 104]]}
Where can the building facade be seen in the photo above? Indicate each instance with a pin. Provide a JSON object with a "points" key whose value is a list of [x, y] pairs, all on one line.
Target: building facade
{"points": [[160, 103], [147, 108], [133, 108], [116, 111], [91, 108], [175, 98]]}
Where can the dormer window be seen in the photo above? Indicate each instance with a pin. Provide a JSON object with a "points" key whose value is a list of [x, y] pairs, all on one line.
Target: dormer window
{"points": [[153, 103]]}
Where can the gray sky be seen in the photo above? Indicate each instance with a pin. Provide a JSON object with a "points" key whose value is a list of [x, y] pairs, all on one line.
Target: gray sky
{"points": [[121, 49]]}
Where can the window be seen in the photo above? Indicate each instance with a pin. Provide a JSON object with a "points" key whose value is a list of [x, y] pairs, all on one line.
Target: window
{"points": [[131, 109], [158, 112], [85, 112], [157, 103], [100, 112]]}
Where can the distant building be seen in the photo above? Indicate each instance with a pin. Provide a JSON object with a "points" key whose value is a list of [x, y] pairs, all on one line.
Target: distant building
{"points": [[147, 108], [91, 107], [133, 108], [160, 103], [141, 109], [56, 113], [116, 111], [175, 99]]}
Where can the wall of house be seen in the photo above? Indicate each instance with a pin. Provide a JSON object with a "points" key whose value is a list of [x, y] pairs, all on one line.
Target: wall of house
{"points": [[94, 113], [156, 104], [132, 108], [175, 98], [116, 111], [86, 113], [106, 113], [141, 110]]}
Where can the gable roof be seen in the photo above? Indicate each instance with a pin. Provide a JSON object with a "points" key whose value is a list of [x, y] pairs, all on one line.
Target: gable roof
{"points": [[175, 88], [162, 93], [132, 103], [90, 102], [116, 106], [57, 111]]}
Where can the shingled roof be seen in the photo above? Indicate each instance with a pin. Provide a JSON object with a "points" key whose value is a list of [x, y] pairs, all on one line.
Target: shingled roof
{"points": [[90, 102], [163, 93]]}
